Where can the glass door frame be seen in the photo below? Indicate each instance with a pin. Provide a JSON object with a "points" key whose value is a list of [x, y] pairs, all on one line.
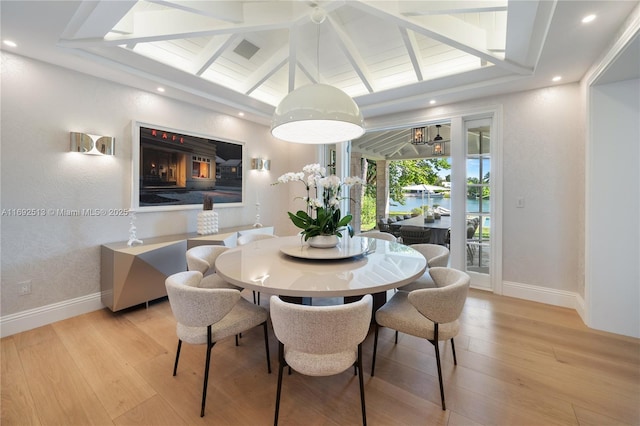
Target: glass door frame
{"points": [[458, 257]]}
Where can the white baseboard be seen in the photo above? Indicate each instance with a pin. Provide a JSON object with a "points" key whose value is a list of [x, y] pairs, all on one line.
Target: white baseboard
{"points": [[581, 308], [34, 318], [546, 295]]}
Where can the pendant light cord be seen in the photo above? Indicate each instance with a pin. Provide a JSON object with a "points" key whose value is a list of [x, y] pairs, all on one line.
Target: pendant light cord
{"points": [[318, 55]]}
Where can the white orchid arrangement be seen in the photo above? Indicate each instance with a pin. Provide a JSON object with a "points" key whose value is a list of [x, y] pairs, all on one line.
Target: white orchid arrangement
{"points": [[323, 209]]}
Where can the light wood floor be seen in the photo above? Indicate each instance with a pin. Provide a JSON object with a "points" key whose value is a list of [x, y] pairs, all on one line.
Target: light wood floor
{"points": [[519, 363]]}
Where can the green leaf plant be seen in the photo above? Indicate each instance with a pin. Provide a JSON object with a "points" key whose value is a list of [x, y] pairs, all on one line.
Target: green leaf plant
{"points": [[323, 216]]}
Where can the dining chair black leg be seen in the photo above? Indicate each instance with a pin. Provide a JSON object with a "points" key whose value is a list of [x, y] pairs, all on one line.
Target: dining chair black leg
{"points": [[396, 337], [175, 365], [210, 345], [437, 349], [237, 344], [361, 380], [453, 349], [375, 349], [280, 369], [266, 346]]}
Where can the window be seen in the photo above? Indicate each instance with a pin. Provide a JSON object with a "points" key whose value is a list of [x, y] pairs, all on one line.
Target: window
{"points": [[201, 167]]}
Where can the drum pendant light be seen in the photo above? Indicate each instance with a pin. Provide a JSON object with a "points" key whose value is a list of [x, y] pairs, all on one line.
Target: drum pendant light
{"points": [[317, 113]]}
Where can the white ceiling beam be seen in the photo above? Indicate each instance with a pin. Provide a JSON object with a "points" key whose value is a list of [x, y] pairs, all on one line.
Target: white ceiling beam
{"points": [[228, 11], [445, 29], [96, 19], [376, 139], [411, 44], [495, 24], [399, 150], [352, 55], [175, 24], [276, 61], [527, 27], [293, 55], [308, 69], [212, 51], [418, 8], [388, 139], [296, 61], [371, 145], [237, 11], [390, 146]]}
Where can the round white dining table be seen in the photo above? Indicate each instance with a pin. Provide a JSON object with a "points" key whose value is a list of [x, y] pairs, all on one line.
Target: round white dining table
{"points": [[287, 266]]}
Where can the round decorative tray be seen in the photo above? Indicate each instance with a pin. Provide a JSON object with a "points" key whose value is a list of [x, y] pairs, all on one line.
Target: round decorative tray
{"points": [[343, 250]]}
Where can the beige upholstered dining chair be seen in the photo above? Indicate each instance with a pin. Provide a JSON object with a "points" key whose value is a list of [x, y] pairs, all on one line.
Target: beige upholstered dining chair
{"points": [[203, 259], [206, 315], [378, 234], [321, 340], [246, 239], [430, 313], [436, 256]]}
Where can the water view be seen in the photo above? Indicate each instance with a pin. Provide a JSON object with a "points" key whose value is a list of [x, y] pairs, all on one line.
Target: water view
{"points": [[415, 202]]}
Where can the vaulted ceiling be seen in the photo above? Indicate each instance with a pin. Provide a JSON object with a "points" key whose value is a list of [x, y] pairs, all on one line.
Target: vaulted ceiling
{"points": [[265, 49], [390, 56]]}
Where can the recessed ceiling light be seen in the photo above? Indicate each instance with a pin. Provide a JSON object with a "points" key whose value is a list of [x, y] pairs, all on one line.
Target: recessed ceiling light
{"points": [[9, 43], [432, 101], [161, 89], [588, 19], [241, 114], [556, 78]]}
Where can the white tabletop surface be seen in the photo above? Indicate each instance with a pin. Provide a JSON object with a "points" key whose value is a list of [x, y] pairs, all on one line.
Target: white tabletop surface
{"points": [[263, 266]]}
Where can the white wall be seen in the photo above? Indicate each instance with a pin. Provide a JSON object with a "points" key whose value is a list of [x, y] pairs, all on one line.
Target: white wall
{"points": [[41, 104], [543, 162], [613, 227]]}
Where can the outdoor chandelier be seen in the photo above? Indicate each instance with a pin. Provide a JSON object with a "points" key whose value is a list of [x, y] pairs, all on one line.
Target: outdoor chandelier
{"points": [[438, 138], [438, 147], [317, 113], [417, 135], [420, 136]]}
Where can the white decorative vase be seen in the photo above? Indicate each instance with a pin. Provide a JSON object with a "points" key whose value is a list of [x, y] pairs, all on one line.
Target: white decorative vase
{"points": [[207, 222], [324, 241]]}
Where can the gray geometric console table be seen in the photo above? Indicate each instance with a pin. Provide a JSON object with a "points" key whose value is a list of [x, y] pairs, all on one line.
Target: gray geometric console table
{"points": [[133, 275]]}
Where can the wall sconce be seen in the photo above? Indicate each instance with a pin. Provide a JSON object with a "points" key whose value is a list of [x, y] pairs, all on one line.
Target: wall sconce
{"points": [[260, 164], [92, 144]]}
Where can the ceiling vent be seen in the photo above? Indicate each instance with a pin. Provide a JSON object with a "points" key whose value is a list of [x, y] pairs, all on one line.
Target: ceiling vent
{"points": [[246, 49]]}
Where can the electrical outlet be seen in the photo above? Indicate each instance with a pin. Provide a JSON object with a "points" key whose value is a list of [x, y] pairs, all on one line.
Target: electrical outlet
{"points": [[24, 288], [520, 202]]}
